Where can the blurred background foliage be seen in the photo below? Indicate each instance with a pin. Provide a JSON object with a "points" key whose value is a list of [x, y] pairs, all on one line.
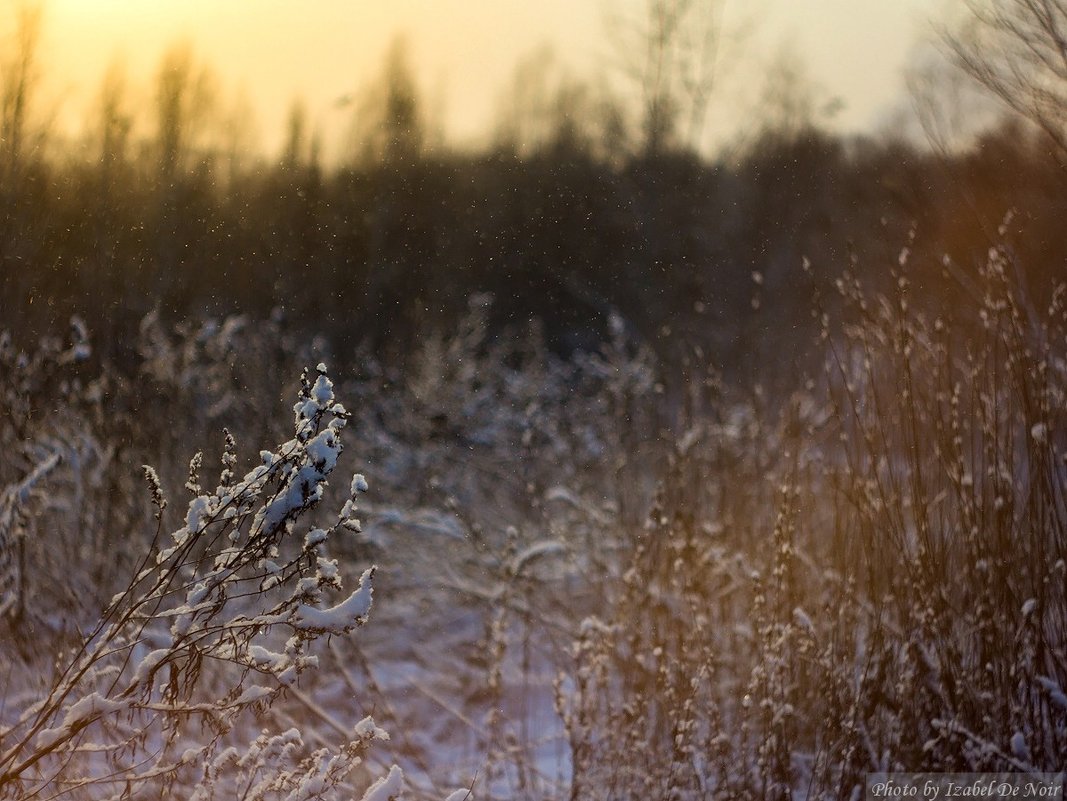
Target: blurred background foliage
{"points": [[581, 206]]}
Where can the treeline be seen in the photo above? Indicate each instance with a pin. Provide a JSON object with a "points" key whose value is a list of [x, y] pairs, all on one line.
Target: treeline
{"points": [[568, 217]]}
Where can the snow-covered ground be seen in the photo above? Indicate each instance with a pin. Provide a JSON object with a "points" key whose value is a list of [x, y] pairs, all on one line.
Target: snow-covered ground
{"points": [[577, 591]]}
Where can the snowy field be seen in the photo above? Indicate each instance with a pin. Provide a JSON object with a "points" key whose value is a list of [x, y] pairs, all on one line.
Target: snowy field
{"points": [[502, 574], [673, 435]]}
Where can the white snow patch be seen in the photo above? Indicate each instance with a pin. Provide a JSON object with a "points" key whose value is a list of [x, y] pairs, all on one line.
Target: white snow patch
{"points": [[342, 618], [199, 508], [367, 729], [149, 664], [1055, 692], [323, 450], [1019, 747], [83, 712], [314, 537], [253, 694], [801, 618], [322, 392], [535, 551], [359, 484], [386, 788]]}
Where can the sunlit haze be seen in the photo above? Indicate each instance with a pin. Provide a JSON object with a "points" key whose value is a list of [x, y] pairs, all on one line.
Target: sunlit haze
{"points": [[267, 53]]}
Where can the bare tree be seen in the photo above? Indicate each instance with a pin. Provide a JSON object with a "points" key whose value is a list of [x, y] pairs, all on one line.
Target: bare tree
{"points": [[401, 125], [671, 52], [236, 137], [389, 127], [948, 109], [544, 106], [524, 106], [18, 74], [1017, 50], [115, 121], [185, 97], [790, 103], [294, 151]]}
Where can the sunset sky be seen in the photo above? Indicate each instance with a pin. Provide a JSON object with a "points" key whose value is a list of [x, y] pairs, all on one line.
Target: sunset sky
{"points": [[271, 51]]}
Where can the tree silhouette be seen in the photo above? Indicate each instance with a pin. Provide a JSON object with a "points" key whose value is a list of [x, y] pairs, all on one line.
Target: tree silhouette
{"points": [[389, 125], [1017, 50], [671, 54], [18, 75]]}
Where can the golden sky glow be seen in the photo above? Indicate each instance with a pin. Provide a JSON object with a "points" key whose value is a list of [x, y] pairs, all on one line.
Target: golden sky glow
{"points": [[272, 51]]}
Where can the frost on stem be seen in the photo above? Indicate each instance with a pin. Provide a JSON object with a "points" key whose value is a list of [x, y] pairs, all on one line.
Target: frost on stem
{"points": [[161, 693]]}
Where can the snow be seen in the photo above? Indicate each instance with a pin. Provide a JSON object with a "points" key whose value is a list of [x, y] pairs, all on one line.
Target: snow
{"points": [[359, 484], [1055, 692], [341, 618], [801, 618], [212, 594], [264, 658], [303, 490], [386, 788], [82, 712], [1019, 747], [21, 491], [561, 493], [323, 450], [322, 392], [367, 729], [149, 664], [181, 626], [327, 570], [252, 694], [199, 509], [196, 594], [593, 625], [316, 536], [533, 552]]}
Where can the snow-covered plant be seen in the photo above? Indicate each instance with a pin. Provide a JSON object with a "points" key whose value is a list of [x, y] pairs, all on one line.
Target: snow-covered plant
{"points": [[216, 626], [950, 477], [52, 398], [14, 500], [50, 368], [901, 605]]}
